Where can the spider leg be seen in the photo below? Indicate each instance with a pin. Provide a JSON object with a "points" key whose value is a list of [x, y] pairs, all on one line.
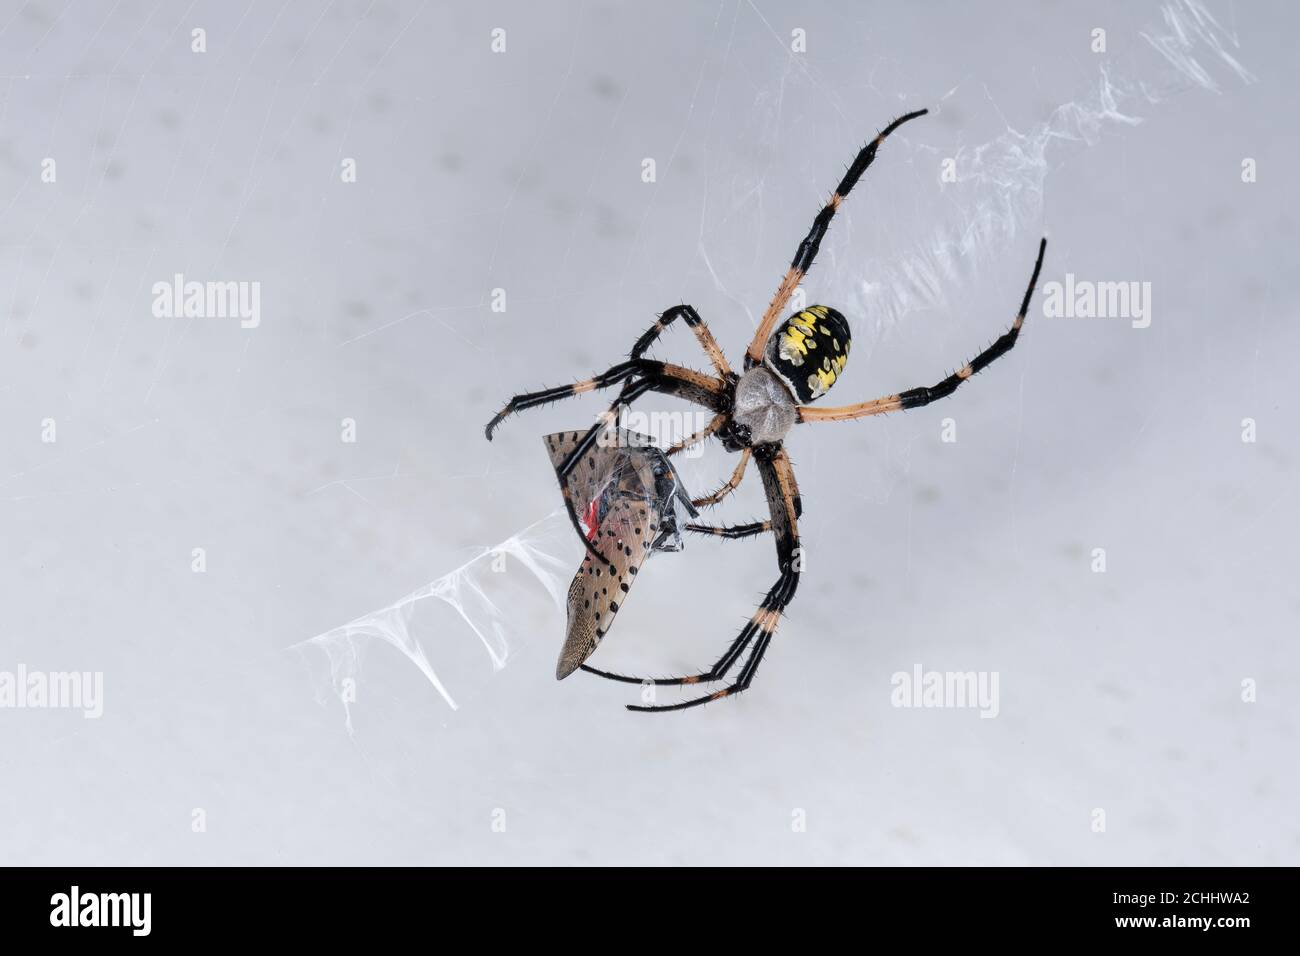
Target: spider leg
{"points": [[731, 485], [732, 531], [807, 252], [745, 678], [611, 376], [717, 422], [725, 662], [685, 383], [696, 324], [778, 479], [917, 397], [763, 624]]}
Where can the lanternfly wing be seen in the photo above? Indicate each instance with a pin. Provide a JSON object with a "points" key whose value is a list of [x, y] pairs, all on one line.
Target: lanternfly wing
{"points": [[626, 494]]}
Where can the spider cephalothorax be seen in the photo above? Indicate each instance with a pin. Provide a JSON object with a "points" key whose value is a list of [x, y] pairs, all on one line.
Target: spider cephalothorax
{"points": [[785, 368]]}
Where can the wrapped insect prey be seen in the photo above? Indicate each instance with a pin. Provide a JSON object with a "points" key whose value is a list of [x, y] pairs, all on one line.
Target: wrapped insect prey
{"points": [[631, 504]]}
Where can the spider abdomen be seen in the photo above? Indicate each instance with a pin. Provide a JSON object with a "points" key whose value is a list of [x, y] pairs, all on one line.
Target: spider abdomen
{"points": [[808, 352], [763, 405]]}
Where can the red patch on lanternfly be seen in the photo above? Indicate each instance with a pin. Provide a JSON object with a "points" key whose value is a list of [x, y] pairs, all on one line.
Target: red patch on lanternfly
{"points": [[592, 521]]}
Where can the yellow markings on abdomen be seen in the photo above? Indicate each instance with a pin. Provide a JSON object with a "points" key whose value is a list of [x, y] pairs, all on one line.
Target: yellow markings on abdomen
{"points": [[799, 334]]}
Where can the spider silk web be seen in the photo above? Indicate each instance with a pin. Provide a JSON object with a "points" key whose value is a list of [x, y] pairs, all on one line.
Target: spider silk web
{"points": [[477, 618], [489, 594]]}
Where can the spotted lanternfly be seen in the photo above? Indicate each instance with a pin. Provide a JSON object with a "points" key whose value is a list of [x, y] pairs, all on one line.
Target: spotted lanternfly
{"points": [[631, 502]]}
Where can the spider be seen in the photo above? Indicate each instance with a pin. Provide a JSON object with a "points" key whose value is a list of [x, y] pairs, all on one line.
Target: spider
{"points": [[753, 411]]}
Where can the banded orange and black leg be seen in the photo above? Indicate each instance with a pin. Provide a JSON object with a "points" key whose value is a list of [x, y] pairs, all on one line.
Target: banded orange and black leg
{"points": [[807, 251], [918, 397], [778, 482], [696, 324]]}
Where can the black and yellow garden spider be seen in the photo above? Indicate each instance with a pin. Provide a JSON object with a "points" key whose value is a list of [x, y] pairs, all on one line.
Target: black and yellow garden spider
{"points": [[785, 368]]}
